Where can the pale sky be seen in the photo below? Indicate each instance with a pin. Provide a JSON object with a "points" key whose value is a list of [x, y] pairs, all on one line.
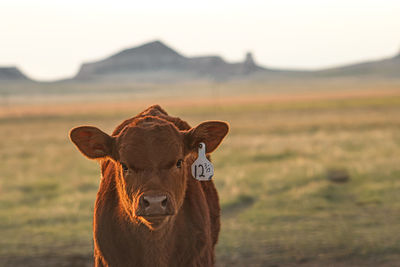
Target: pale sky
{"points": [[49, 39]]}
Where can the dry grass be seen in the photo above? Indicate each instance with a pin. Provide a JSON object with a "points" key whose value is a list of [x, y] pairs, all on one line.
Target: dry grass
{"points": [[278, 206]]}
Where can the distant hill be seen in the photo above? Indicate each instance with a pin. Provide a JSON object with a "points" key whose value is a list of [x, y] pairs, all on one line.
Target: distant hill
{"points": [[12, 74], [384, 68], [155, 60]]}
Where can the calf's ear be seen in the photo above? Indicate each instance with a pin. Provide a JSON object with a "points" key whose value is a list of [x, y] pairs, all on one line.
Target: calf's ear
{"points": [[209, 132], [92, 142]]}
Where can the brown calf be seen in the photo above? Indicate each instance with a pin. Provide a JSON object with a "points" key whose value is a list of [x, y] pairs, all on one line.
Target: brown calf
{"points": [[149, 210]]}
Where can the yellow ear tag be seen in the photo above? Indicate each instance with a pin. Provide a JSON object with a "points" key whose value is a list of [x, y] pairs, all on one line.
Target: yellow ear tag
{"points": [[202, 168]]}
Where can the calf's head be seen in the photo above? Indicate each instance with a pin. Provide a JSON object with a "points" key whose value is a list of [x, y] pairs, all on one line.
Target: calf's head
{"points": [[151, 161]]}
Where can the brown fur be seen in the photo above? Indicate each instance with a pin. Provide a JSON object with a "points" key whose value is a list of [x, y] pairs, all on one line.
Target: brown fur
{"points": [[150, 144]]}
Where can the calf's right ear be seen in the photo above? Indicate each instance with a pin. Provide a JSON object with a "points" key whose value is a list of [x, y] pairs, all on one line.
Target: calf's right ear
{"points": [[92, 142]]}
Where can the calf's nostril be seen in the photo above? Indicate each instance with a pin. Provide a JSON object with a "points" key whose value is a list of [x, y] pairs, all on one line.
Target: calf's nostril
{"points": [[164, 203], [146, 203]]}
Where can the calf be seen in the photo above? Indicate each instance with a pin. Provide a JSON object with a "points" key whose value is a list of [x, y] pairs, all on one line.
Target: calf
{"points": [[149, 210]]}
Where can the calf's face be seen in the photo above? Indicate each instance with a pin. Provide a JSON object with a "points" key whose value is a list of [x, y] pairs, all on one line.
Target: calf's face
{"points": [[151, 163]]}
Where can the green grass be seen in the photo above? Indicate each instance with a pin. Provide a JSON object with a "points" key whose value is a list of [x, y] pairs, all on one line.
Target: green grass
{"points": [[278, 207]]}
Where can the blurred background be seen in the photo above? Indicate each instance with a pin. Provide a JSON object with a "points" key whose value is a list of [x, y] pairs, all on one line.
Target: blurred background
{"points": [[308, 175]]}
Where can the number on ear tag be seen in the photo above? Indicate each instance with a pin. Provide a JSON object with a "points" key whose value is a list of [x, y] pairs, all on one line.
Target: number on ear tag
{"points": [[202, 168]]}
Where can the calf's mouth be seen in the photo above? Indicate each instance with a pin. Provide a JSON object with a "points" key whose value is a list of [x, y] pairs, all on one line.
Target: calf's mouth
{"points": [[155, 222]]}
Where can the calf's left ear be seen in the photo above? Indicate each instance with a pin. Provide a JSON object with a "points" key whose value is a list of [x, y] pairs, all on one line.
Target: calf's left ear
{"points": [[92, 142], [209, 132]]}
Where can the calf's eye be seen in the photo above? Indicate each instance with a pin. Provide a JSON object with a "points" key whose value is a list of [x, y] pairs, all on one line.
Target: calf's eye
{"points": [[124, 167], [179, 163]]}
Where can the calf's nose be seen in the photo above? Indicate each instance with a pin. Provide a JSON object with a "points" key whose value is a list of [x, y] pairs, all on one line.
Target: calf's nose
{"points": [[153, 205]]}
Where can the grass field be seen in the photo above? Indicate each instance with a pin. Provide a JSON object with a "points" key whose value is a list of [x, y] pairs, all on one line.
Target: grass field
{"points": [[278, 207]]}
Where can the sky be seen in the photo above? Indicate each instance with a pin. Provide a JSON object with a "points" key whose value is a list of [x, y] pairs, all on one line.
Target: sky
{"points": [[50, 39]]}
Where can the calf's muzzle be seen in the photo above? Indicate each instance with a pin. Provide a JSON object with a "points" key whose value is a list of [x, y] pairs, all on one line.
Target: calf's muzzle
{"points": [[154, 205]]}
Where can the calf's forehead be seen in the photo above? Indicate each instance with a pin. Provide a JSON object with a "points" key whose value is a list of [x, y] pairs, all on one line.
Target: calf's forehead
{"points": [[154, 145]]}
